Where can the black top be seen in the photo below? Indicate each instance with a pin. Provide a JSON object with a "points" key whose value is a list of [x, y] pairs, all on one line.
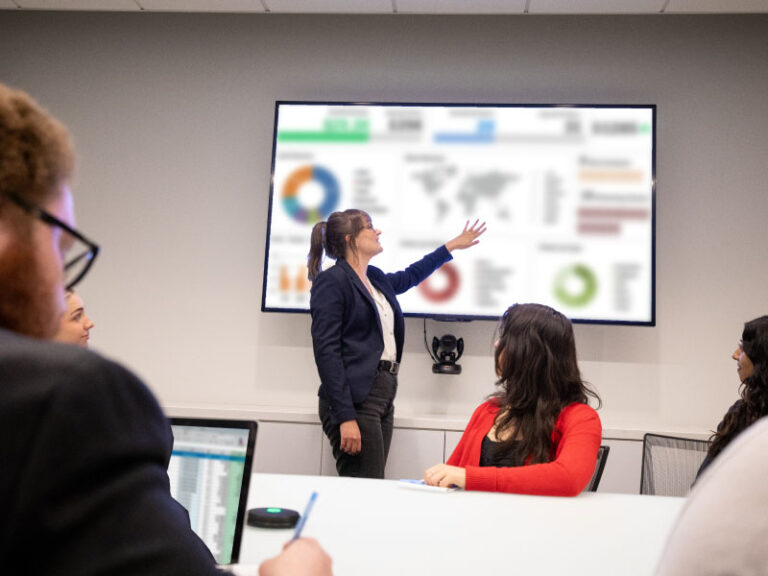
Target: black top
{"points": [[492, 454]]}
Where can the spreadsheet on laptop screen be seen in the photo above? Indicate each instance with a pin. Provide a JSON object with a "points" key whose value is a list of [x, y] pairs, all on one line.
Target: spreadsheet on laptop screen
{"points": [[206, 475]]}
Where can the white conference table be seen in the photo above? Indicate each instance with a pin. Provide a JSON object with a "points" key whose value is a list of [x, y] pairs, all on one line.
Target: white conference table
{"points": [[377, 527]]}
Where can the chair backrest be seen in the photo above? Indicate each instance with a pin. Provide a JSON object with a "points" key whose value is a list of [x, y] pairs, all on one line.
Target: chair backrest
{"points": [[670, 464], [602, 457]]}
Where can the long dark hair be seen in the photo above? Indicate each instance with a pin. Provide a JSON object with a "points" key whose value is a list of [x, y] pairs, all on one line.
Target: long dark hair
{"points": [[331, 235], [753, 390], [538, 377]]}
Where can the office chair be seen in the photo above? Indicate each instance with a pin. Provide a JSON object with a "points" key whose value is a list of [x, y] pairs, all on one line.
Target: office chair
{"points": [[602, 458], [670, 464]]}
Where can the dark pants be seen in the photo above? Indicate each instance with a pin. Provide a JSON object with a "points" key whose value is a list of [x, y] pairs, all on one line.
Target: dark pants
{"points": [[375, 417]]}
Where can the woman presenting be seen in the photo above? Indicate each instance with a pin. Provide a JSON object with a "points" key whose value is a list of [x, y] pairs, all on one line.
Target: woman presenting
{"points": [[357, 335]]}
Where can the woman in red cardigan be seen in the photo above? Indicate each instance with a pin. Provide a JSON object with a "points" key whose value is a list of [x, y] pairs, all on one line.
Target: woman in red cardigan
{"points": [[537, 434]]}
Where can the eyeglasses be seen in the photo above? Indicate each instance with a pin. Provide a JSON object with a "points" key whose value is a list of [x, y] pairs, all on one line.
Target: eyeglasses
{"points": [[83, 251]]}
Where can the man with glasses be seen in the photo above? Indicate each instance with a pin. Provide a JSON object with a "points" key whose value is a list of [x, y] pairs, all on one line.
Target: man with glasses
{"points": [[84, 446]]}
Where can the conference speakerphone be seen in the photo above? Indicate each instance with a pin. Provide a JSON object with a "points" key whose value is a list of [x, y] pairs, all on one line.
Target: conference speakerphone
{"points": [[272, 517]]}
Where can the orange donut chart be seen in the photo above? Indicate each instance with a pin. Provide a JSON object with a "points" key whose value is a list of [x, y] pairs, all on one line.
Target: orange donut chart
{"points": [[290, 195], [450, 271]]}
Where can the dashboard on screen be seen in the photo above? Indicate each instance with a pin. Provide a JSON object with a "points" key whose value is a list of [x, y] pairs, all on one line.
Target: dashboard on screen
{"points": [[567, 191]]}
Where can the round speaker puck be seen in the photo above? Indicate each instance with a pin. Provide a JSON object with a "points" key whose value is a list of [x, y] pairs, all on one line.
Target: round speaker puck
{"points": [[272, 517]]}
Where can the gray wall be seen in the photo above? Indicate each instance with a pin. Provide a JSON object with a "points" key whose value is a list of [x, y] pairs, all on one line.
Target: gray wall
{"points": [[173, 114]]}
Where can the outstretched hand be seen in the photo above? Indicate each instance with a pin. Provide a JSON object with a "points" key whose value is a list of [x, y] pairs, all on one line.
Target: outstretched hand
{"points": [[468, 237]]}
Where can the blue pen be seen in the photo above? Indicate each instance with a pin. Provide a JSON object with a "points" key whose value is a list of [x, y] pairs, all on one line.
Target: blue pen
{"points": [[303, 519]]}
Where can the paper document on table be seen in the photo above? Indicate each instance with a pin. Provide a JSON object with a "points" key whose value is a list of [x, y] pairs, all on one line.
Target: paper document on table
{"points": [[420, 485]]}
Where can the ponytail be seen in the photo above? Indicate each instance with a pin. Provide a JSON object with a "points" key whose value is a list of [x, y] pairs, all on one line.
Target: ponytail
{"points": [[331, 236], [317, 242]]}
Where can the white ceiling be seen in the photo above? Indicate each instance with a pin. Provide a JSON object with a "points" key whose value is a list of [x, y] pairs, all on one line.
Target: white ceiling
{"points": [[404, 6]]}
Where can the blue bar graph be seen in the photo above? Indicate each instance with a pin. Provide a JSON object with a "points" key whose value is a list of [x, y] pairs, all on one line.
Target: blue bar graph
{"points": [[485, 133]]}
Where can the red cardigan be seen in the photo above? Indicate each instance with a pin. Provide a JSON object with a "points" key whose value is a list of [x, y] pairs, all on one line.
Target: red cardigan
{"points": [[575, 440]]}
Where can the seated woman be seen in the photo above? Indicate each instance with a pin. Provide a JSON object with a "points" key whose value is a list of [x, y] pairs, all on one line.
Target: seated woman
{"points": [[75, 326], [752, 367], [537, 434]]}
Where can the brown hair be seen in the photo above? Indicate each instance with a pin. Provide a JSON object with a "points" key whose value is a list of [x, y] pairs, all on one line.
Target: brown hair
{"points": [[331, 236], [36, 152], [538, 377]]}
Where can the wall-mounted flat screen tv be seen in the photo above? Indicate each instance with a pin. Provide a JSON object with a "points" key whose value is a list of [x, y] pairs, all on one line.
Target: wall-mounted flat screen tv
{"points": [[567, 191]]}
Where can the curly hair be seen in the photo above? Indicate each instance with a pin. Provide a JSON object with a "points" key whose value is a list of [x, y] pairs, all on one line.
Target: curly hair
{"points": [[332, 236], [538, 377], [36, 153], [753, 404]]}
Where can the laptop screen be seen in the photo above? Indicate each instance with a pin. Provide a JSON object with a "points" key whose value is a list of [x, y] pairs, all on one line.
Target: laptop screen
{"points": [[209, 471]]}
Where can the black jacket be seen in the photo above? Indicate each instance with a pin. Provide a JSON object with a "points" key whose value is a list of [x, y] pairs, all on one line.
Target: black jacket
{"points": [[84, 451], [346, 331]]}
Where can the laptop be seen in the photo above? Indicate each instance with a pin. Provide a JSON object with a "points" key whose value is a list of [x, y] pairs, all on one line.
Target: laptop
{"points": [[210, 470]]}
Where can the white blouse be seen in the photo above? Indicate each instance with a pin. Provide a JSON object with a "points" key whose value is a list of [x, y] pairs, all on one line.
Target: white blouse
{"points": [[387, 319]]}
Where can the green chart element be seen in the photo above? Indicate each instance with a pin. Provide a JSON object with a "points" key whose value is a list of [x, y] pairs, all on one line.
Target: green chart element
{"points": [[586, 290], [334, 130], [322, 136], [237, 468]]}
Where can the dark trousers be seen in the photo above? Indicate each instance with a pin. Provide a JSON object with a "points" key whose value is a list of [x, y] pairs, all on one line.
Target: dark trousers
{"points": [[375, 417]]}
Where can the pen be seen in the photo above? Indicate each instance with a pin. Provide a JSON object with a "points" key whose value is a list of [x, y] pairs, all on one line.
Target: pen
{"points": [[303, 519]]}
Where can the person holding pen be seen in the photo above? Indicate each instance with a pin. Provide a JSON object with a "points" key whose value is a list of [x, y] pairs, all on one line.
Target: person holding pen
{"points": [[302, 557], [357, 335], [85, 446], [537, 434]]}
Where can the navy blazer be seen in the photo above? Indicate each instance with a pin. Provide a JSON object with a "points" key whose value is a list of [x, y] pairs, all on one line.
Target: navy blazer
{"points": [[346, 330], [84, 450]]}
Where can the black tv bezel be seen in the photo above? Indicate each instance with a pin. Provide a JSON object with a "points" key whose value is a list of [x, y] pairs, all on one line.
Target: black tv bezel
{"points": [[467, 317]]}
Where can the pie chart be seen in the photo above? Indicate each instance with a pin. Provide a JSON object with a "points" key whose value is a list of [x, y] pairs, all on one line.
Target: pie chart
{"points": [[291, 194]]}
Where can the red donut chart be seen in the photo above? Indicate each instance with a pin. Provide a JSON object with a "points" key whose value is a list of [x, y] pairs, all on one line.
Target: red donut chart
{"points": [[452, 274]]}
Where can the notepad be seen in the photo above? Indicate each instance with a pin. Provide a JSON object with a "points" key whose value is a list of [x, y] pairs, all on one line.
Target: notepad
{"points": [[420, 485]]}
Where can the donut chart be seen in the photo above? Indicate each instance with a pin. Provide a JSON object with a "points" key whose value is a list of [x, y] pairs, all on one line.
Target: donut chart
{"points": [[584, 293], [292, 188], [452, 276]]}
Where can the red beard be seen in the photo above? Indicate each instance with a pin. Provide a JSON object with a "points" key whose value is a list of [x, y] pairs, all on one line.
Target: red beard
{"points": [[28, 304]]}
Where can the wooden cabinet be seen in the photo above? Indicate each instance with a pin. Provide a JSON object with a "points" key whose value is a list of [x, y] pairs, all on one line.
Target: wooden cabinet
{"points": [[451, 440], [302, 448], [622, 469], [288, 448], [413, 451]]}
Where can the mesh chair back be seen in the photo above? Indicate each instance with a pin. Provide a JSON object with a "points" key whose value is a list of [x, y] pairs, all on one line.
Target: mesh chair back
{"points": [[670, 464], [602, 457]]}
